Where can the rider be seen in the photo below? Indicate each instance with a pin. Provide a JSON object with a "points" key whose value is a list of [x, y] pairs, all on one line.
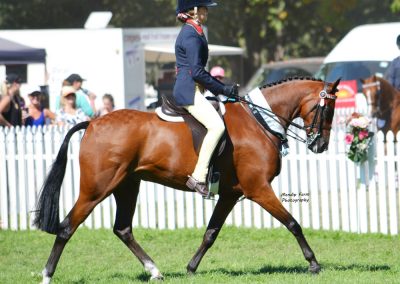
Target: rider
{"points": [[191, 51], [393, 72]]}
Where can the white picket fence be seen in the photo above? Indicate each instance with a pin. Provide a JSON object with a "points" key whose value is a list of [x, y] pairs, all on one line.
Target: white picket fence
{"points": [[324, 191]]}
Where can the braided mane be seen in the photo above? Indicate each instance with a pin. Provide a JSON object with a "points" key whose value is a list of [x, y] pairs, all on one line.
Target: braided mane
{"points": [[289, 79]]}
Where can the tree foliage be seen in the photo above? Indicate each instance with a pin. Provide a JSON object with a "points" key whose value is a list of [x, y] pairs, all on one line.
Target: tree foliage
{"points": [[267, 29]]}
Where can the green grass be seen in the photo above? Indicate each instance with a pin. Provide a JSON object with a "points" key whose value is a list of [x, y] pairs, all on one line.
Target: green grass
{"points": [[238, 256]]}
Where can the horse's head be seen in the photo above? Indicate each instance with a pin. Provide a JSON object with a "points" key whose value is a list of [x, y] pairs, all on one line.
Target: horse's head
{"points": [[371, 88], [317, 112]]}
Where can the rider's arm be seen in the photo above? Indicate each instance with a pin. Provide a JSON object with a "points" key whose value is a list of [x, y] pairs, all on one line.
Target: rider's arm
{"points": [[389, 74], [193, 45]]}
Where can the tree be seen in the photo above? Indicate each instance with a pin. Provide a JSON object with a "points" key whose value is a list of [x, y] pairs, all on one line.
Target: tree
{"points": [[268, 29]]}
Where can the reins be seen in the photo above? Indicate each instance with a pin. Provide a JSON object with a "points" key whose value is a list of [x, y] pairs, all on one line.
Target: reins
{"points": [[319, 107], [271, 114]]}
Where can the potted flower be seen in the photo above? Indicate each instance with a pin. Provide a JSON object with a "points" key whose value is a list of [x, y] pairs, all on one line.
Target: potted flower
{"points": [[358, 137]]}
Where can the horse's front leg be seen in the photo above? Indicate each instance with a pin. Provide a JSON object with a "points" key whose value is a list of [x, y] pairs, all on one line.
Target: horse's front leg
{"points": [[267, 199], [221, 211]]}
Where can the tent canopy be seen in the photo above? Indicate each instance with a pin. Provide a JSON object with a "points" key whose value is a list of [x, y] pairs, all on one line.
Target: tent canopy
{"points": [[165, 52], [15, 53]]}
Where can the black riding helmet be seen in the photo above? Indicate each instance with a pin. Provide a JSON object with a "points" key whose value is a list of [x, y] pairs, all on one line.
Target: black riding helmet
{"points": [[185, 5]]}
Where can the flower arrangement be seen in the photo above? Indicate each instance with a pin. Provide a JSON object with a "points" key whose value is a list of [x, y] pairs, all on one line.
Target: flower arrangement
{"points": [[358, 137]]}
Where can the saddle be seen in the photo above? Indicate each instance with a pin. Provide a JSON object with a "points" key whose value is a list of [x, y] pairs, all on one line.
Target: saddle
{"points": [[169, 111]]}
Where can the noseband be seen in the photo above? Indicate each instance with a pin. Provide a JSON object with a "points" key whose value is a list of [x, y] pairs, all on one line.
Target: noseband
{"points": [[318, 116]]}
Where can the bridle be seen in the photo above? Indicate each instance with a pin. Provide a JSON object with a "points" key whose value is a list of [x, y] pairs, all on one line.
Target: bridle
{"points": [[376, 84], [319, 113]]}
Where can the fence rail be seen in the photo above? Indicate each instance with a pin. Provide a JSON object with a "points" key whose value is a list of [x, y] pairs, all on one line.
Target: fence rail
{"points": [[324, 191]]}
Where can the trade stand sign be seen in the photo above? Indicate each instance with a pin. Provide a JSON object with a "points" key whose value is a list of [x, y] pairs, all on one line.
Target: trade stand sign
{"points": [[346, 96]]}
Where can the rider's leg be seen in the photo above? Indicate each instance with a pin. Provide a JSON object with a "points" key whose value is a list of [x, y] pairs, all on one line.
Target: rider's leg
{"points": [[205, 113]]}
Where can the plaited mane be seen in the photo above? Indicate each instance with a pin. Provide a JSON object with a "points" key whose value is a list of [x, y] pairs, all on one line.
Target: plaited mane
{"points": [[289, 79]]}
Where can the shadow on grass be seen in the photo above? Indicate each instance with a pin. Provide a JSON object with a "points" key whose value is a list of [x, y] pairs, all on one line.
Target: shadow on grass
{"points": [[267, 269], [356, 267]]}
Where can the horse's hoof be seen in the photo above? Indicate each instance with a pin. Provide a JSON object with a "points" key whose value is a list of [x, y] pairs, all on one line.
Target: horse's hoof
{"points": [[190, 270], [314, 268], [157, 278]]}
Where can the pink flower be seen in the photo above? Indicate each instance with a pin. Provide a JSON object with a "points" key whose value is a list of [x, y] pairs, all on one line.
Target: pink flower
{"points": [[363, 134], [349, 138]]}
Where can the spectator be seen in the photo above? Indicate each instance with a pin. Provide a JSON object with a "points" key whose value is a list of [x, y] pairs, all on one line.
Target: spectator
{"points": [[108, 105], [69, 114], [218, 73], [11, 103], [393, 72], [37, 115], [84, 98]]}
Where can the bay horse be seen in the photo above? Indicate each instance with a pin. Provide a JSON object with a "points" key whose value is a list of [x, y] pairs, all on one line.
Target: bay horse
{"points": [[122, 148], [384, 101]]}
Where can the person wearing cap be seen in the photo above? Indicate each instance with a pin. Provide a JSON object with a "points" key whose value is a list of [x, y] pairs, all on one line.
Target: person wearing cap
{"points": [[11, 103], [392, 74], [191, 51], [218, 73], [37, 115], [84, 99], [69, 113]]}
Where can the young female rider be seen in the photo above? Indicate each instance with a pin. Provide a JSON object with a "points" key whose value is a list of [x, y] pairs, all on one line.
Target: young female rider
{"points": [[191, 51]]}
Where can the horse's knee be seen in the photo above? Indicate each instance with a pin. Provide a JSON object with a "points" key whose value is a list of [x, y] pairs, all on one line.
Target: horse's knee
{"points": [[124, 234], [295, 229]]}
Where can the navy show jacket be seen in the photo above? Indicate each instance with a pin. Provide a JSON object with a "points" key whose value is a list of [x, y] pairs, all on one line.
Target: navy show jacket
{"points": [[393, 73], [191, 52]]}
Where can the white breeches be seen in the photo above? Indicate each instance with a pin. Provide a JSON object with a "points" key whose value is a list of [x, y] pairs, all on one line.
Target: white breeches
{"points": [[205, 113]]}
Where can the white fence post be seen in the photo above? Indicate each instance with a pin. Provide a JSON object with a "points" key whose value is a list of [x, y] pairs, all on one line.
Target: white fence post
{"points": [[4, 217], [381, 170], [344, 187], [334, 181], [391, 178]]}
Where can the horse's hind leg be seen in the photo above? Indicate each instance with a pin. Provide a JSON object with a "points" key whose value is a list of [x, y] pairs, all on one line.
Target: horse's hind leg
{"points": [[221, 211], [75, 217], [125, 198], [268, 200]]}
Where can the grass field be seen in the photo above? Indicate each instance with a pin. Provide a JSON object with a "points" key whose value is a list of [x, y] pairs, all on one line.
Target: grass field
{"points": [[238, 256]]}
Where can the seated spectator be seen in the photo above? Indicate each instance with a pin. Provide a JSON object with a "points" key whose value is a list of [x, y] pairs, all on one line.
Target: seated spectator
{"points": [[11, 103], [37, 115], [69, 114], [108, 105], [85, 99]]}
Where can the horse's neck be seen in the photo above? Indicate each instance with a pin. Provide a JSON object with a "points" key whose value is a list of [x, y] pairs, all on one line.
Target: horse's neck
{"points": [[284, 103], [388, 92]]}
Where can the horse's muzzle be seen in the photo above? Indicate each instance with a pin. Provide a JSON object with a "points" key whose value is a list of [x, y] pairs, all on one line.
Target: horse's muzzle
{"points": [[318, 145]]}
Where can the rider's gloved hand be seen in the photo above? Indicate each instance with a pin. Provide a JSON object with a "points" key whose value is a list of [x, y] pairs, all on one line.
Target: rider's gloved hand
{"points": [[231, 90]]}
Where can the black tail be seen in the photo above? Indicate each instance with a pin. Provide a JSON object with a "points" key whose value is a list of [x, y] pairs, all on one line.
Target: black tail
{"points": [[47, 208]]}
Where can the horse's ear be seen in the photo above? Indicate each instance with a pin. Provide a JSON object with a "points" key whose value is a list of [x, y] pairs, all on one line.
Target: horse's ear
{"points": [[334, 86]]}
